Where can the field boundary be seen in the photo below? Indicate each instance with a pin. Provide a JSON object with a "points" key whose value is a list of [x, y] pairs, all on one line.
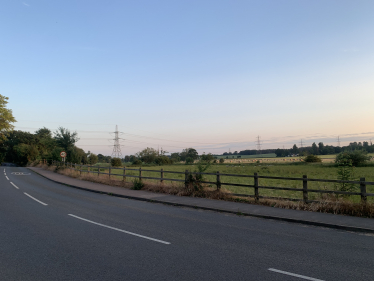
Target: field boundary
{"points": [[346, 226], [218, 183]]}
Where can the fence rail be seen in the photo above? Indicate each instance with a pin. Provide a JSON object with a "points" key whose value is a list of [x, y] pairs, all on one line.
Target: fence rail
{"points": [[305, 190]]}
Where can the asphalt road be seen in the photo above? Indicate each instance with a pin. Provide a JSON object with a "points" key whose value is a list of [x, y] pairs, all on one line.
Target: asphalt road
{"points": [[49, 231]]}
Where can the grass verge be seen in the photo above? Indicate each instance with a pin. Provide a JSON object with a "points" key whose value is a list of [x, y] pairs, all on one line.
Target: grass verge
{"points": [[327, 204]]}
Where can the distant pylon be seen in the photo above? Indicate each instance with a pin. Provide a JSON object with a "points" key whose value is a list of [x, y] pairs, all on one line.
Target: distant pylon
{"points": [[338, 141], [116, 147], [301, 143], [258, 145]]}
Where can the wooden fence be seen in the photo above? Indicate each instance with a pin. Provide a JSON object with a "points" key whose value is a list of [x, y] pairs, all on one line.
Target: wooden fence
{"points": [[305, 190]]}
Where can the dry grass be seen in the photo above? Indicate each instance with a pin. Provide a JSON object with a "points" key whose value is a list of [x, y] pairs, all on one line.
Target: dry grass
{"points": [[328, 204]]}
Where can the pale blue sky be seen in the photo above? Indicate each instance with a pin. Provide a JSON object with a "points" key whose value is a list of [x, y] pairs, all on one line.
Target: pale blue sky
{"points": [[208, 74]]}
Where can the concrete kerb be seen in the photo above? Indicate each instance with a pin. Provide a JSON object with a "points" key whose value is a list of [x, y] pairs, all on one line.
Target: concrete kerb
{"points": [[305, 222]]}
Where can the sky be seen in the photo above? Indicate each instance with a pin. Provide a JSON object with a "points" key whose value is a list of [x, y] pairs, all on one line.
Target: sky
{"points": [[213, 75]]}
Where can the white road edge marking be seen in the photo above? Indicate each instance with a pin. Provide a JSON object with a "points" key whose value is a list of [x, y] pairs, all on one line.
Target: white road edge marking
{"points": [[35, 199], [124, 231], [7, 178], [295, 275], [14, 185]]}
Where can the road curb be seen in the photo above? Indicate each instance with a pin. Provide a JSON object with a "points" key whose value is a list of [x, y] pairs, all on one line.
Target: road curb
{"points": [[305, 222]]}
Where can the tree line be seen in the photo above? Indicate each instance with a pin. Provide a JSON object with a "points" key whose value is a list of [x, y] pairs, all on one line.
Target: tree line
{"points": [[21, 147], [314, 149]]}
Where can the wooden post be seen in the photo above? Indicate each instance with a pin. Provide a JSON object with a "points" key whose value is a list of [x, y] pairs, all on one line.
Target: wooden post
{"points": [[218, 181], [98, 171], [88, 169], [256, 187], [140, 173], [305, 188], [80, 169], [162, 175], [124, 174], [186, 179], [110, 170], [363, 190]]}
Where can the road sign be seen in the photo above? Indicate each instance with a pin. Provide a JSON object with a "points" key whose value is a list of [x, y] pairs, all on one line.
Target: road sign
{"points": [[63, 154]]}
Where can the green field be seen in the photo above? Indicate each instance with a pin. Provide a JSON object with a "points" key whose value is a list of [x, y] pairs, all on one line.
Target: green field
{"points": [[317, 171]]}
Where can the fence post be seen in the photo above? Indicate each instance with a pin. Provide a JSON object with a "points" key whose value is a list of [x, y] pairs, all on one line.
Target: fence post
{"points": [[186, 179], [98, 171], [363, 190], [162, 175], [305, 188], [256, 187], [80, 169], [140, 173], [124, 174], [88, 169], [110, 170], [218, 181]]}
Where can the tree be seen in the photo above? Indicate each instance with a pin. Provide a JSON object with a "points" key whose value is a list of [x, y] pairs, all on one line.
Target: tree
{"points": [[207, 157], [314, 149], [295, 149], [6, 118], [189, 153], [65, 138], [147, 155], [321, 148], [92, 159], [175, 157]]}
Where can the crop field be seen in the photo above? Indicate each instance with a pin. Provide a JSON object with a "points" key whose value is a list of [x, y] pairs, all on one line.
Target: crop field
{"points": [[317, 171], [269, 155]]}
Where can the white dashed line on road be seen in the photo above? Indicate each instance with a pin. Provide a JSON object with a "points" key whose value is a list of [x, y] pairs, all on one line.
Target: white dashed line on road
{"points": [[294, 275], [7, 178], [14, 185], [124, 231], [35, 199]]}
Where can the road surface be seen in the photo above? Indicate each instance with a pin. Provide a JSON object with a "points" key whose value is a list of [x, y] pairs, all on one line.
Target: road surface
{"points": [[53, 232]]}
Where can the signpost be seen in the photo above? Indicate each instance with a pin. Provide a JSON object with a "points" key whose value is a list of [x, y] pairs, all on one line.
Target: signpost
{"points": [[63, 156]]}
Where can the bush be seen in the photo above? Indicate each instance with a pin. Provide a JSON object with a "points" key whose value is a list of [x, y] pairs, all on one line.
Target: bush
{"points": [[137, 162], [312, 159], [195, 180], [221, 160], [116, 162], [163, 160], [345, 173], [354, 158], [137, 184]]}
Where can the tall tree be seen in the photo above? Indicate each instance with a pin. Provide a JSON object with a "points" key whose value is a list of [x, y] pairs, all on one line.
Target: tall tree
{"points": [[65, 138], [6, 118]]}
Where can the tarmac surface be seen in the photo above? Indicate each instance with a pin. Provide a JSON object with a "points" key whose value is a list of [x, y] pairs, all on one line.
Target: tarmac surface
{"points": [[51, 231], [311, 218]]}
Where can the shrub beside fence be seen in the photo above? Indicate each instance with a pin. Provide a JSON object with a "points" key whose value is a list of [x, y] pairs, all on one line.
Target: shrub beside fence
{"points": [[218, 183]]}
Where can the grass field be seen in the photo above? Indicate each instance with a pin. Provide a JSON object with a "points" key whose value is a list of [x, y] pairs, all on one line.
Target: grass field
{"points": [[318, 171]]}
